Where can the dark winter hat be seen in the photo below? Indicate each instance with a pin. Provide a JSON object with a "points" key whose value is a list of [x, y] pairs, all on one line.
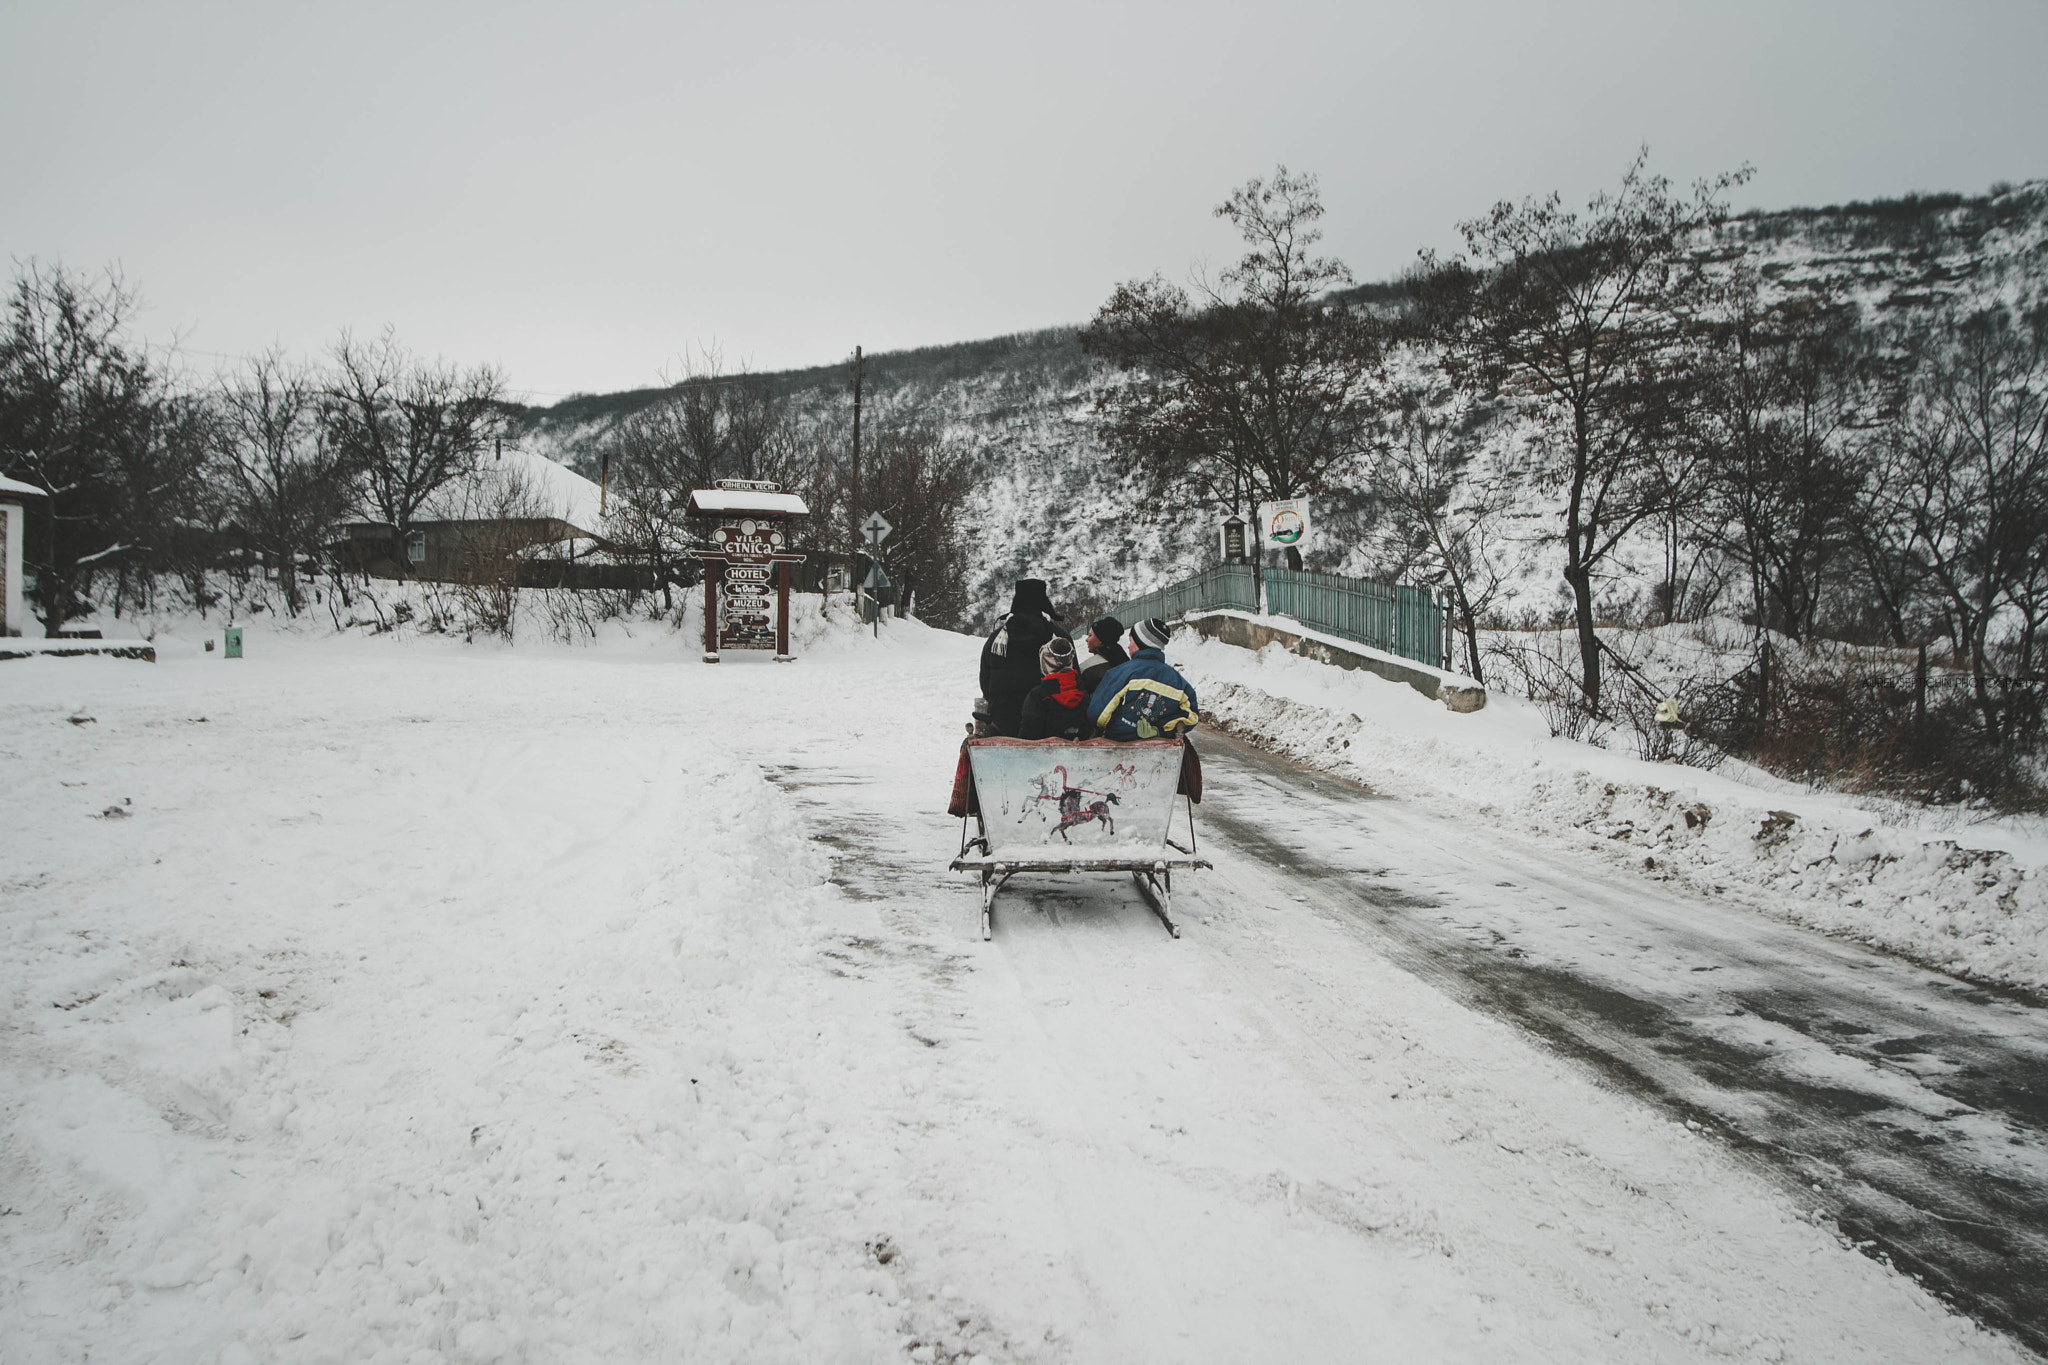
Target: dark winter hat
{"points": [[1056, 655], [1030, 595], [1152, 633], [1108, 630]]}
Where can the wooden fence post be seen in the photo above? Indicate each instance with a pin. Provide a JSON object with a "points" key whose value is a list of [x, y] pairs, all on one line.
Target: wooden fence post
{"points": [[712, 568], [782, 654]]}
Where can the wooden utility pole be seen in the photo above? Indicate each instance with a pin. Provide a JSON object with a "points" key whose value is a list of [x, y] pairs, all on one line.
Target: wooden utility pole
{"points": [[857, 367], [855, 509]]}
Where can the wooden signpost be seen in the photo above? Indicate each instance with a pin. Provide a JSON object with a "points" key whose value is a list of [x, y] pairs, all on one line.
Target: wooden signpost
{"points": [[748, 550]]}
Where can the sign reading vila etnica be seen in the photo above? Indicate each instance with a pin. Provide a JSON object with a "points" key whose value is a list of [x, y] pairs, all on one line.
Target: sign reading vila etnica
{"points": [[749, 538]]}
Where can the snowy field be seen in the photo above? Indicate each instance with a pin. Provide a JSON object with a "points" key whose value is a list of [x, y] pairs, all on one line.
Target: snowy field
{"points": [[378, 999]]}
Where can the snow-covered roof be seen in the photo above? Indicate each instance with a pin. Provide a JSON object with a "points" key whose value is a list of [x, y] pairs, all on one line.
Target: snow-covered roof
{"points": [[518, 483], [19, 489], [742, 500]]}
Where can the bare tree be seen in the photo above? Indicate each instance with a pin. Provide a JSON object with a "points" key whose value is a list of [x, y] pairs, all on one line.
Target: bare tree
{"points": [[1581, 320], [494, 505], [651, 467], [709, 426], [285, 480], [164, 510], [1446, 527], [1964, 470], [1786, 386], [1258, 387], [1673, 487], [86, 416], [407, 426], [731, 421], [918, 480]]}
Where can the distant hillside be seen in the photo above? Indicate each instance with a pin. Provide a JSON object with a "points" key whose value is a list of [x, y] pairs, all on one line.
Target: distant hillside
{"points": [[1052, 349], [1052, 501]]}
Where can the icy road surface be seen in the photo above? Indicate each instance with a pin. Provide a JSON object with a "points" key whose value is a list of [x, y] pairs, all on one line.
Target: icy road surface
{"points": [[378, 1000]]}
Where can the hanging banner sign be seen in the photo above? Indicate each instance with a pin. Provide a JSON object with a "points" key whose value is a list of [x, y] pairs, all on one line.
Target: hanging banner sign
{"points": [[1284, 525]]}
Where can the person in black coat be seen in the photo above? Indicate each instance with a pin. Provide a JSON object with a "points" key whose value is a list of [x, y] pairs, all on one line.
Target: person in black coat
{"points": [[1105, 651], [1009, 659], [1058, 707]]}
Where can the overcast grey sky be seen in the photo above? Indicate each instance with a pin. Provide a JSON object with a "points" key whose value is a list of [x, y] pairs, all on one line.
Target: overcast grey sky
{"points": [[582, 193]]}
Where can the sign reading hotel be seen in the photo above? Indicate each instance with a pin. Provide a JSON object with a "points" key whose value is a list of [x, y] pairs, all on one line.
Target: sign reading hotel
{"points": [[745, 557]]}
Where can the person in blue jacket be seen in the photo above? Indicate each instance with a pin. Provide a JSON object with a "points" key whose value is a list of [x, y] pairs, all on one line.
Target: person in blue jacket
{"points": [[1144, 698]]}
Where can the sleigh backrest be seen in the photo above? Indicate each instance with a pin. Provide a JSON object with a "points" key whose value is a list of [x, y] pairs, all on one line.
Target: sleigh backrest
{"points": [[1098, 798]]}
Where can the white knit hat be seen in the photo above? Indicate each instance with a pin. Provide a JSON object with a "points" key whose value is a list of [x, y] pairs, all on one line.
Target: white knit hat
{"points": [[1056, 655], [1152, 633]]}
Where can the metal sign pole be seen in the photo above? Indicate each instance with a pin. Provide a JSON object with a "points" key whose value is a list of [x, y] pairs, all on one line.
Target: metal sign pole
{"points": [[876, 528]]}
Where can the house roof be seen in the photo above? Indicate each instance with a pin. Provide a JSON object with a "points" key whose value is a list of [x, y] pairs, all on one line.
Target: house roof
{"points": [[518, 483], [704, 501], [19, 489]]}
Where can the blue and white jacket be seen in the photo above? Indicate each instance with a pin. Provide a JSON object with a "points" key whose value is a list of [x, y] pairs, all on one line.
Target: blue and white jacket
{"points": [[1143, 698]]}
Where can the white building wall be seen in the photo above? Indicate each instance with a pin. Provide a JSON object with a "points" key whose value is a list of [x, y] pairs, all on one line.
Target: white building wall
{"points": [[13, 611]]}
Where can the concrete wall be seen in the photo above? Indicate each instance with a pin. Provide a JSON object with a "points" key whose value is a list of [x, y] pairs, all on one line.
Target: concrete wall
{"points": [[1249, 634]]}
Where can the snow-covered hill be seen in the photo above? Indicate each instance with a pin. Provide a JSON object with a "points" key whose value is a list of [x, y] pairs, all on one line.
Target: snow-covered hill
{"points": [[1051, 499]]}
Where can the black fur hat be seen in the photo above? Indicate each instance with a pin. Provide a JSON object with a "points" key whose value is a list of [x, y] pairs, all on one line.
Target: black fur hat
{"points": [[1030, 595]]}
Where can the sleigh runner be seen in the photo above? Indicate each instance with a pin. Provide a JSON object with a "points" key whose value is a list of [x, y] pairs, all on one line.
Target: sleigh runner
{"points": [[1094, 806]]}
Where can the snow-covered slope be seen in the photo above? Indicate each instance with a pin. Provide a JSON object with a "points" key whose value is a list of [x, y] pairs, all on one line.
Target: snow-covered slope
{"points": [[1969, 898], [1050, 499]]}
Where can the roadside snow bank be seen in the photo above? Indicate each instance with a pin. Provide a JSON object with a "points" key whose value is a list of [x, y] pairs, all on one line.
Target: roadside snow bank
{"points": [[1865, 870]]}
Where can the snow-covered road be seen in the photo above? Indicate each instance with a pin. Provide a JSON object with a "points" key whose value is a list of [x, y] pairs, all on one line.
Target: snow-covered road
{"points": [[1910, 1107], [425, 1003]]}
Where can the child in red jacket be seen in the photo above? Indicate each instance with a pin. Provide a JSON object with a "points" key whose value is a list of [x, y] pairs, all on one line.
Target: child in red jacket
{"points": [[1057, 708]]}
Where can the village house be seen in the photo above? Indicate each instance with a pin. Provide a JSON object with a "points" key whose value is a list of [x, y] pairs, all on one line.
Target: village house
{"points": [[521, 519], [14, 615]]}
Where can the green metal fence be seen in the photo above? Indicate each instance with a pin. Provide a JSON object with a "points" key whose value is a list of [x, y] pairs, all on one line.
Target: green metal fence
{"points": [[1399, 618], [1226, 585]]}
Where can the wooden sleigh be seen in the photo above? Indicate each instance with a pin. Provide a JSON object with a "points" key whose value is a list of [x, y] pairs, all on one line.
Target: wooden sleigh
{"points": [[1093, 806]]}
